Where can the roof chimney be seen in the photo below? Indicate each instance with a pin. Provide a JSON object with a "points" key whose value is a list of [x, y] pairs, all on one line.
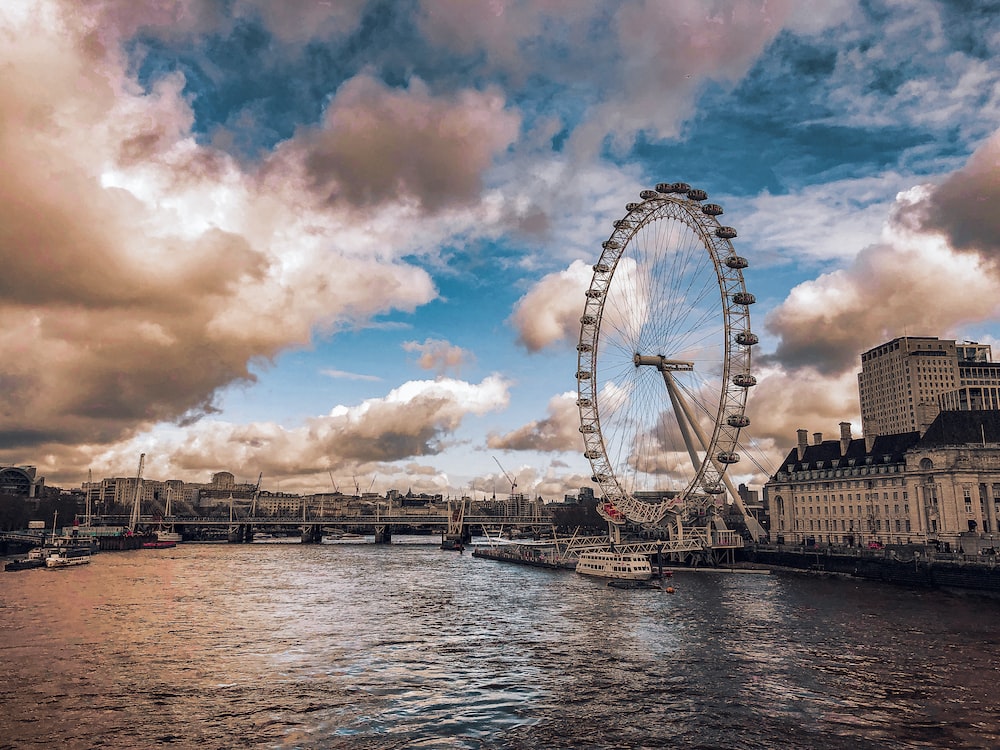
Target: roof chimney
{"points": [[845, 437], [803, 442], [817, 438]]}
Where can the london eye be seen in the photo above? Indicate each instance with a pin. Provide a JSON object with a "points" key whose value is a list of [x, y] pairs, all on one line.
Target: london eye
{"points": [[663, 366]]}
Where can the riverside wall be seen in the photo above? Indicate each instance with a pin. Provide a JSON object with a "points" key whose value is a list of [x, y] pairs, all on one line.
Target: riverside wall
{"points": [[923, 571]]}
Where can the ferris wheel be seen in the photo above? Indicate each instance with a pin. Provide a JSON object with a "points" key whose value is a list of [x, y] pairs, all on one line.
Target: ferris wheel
{"points": [[663, 368]]}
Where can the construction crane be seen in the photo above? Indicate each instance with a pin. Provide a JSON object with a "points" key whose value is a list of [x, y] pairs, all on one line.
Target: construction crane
{"points": [[513, 482], [133, 520]]}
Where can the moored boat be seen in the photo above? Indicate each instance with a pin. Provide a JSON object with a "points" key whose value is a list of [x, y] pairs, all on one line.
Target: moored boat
{"points": [[627, 566], [65, 558], [159, 544], [24, 563]]}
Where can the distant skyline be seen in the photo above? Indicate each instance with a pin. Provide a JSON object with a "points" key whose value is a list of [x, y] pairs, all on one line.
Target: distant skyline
{"points": [[352, 238]]}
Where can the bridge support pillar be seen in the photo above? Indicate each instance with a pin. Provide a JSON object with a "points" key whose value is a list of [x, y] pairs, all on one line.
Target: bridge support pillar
{"points": [[312, 534], [383, 535], [241, 534]]}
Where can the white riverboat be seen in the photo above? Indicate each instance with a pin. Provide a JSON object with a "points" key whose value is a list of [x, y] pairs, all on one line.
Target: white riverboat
{"points": [[65, 558], [627, 566]]}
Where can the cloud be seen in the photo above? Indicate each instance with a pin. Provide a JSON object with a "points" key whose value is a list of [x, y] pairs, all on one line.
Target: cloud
{"points": [[299, 21], [648, 59], [414, 420], [377, 144], [550, 311], [558, 432], [344, 375], [964, 206], [783, 402], [916, 69], [294, 21], [817, 224], [439, 355]]}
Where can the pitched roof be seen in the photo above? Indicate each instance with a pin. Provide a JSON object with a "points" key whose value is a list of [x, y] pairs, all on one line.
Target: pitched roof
{"points": [[828, 453]]}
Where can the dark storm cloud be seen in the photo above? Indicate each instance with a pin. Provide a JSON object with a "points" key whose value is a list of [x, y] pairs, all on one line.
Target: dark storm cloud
{"points": [[966, 206]]}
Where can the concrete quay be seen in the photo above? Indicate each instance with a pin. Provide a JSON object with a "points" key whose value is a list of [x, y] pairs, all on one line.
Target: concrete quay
{"points": [[965, 573]]}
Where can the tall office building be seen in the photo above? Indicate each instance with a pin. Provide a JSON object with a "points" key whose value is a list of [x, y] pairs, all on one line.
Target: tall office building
{"points": [[905, 383]]}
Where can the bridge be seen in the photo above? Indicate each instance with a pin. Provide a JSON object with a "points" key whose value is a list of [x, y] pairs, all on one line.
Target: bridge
{"points": [[241, 528]]}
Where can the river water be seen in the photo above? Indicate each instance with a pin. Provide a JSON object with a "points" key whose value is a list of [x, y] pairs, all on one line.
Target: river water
{"points": [[407, 646]]}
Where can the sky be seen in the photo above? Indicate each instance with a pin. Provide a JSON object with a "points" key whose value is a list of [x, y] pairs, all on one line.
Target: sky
{"points": [[345, 243]]}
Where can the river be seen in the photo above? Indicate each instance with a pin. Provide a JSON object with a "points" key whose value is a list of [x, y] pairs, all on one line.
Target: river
{"points": [[406, 646]]}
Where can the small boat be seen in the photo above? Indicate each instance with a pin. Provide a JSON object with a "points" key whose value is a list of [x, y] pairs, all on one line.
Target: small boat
{"points": [[159, 544], [629, 566]]}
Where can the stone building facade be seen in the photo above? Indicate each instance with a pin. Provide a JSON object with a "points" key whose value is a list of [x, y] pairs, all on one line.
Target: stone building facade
{"points": [[941, 488]]}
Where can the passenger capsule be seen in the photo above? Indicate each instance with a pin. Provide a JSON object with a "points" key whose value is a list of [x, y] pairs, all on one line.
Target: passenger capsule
{"points": [[592, 455], [711, 209], [746, 338], [727, 457], [595, 293], [726, 233], [585, 347], [588, 428], [648, 194], [632, 206], [736, 261], [584, 403], [679, 187], [744, 298], [664, 187], [583, 374], [738, 420], [622, 224], [602, 268], [714, 489], [610, 245], [588, 320], [600, 478], [744, 380], [697, 195]]}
